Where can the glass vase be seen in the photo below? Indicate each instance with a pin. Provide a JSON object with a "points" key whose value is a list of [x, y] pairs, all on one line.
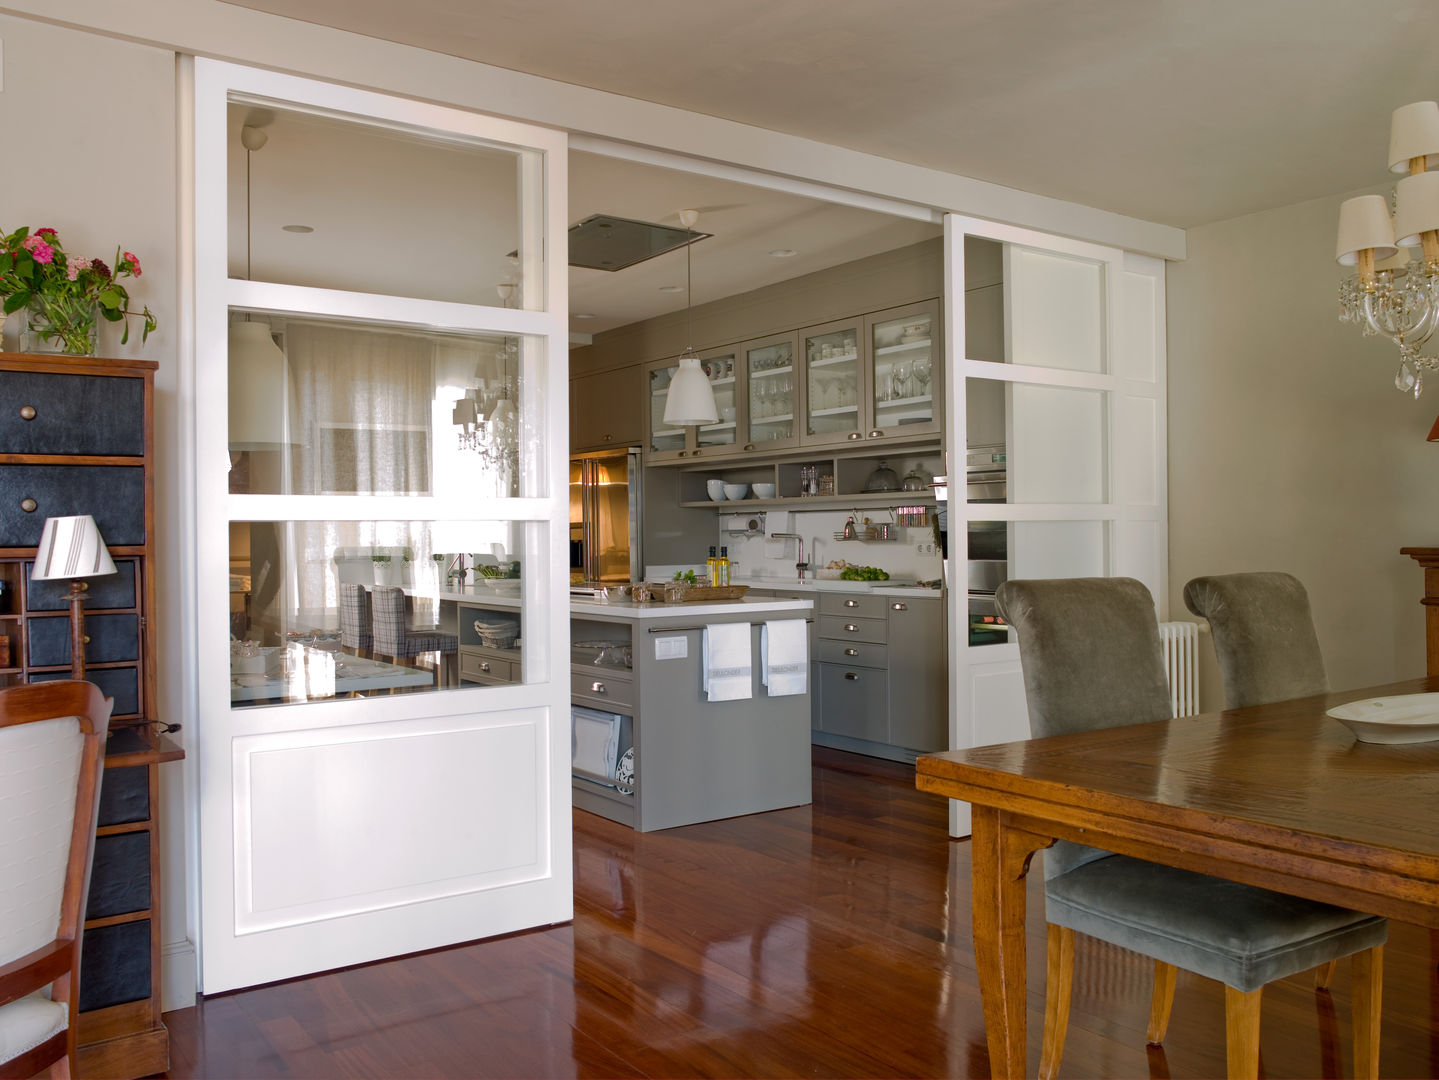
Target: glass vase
{"points": [[60, 325]]}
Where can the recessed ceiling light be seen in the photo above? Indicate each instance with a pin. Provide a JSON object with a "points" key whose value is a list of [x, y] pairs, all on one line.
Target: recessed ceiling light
{"points": [[784, 253], [672, 288], [297, 228], [583, 315]]}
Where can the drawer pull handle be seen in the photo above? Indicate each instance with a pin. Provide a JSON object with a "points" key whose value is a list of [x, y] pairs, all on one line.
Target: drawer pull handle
{"points": [[851, 652], [749, 446], [851, 627], [87, 638], [28, 505], [876, 434], [851, 675], [27, 412], [851, 603], [899, 607], [854, 435], [598, 687], [485, 668]]}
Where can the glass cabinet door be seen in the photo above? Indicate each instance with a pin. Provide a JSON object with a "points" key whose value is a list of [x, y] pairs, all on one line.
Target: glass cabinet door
{"points": [[664, 441], [907, 366], [773, 393], [833, 383], [721, 367]]}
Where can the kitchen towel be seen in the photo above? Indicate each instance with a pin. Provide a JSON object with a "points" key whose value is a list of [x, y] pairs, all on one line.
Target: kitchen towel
{"points": [[726, 664], [776, 521], [784, 657]]}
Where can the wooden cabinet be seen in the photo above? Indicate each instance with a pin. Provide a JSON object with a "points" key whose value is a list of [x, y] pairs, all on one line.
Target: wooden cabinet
{"points": [[76, 438], [605, 409]]}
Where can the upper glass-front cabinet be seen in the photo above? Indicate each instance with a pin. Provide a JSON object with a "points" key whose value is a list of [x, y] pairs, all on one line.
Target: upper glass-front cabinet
{"points": [[722, 366], [773, 393], [907, 371], [835, 383], [666, 443]]}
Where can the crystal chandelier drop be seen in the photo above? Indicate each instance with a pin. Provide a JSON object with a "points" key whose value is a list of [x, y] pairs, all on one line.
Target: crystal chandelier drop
{"points": [[1392, 294]]}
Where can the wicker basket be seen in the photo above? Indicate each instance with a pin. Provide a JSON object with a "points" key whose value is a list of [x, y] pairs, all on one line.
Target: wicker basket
{"points": [[713, 592]]}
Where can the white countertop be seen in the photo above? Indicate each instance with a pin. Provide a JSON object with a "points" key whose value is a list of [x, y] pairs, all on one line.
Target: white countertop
{"points": [[628, 609], [819, 585]]}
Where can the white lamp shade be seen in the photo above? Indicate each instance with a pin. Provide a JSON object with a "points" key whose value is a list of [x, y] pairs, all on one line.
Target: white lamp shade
{"points": [[1418, 207], [259, 388], [1364, 223], [691, 398], [70, 548], [1414, 132]]}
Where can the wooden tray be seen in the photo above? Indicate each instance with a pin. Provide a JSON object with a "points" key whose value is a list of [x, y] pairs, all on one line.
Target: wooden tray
{"points": [[713, 592]]}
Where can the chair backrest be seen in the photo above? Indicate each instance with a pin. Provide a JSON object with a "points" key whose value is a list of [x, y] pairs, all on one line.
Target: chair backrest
{"points": [[1092, 658], [52, 749], [389, 619], [1263, 636], [355, 619]]}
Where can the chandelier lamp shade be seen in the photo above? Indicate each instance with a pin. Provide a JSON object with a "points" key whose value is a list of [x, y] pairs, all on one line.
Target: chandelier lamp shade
{"points": [[1393, 293], [691, 398], [72, 549]]}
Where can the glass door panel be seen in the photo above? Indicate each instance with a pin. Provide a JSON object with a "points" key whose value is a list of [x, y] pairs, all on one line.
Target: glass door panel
{"points": [[832, 383], [1033, 307], [907, 367], [664, 441], [773, 394], [1042, 444], [722, 369]]}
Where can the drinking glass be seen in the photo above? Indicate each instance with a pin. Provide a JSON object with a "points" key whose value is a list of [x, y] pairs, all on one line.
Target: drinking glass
{"points": [[921, 374], [901, 379]]}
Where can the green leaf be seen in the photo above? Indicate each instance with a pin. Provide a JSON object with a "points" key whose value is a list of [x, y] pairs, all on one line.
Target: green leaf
{"points": [[15, 301]]}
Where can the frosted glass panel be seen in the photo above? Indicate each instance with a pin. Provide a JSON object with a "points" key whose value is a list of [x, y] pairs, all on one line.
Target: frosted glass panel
{"points": [[1058, 549], [1038, 308], [1054, 439]]}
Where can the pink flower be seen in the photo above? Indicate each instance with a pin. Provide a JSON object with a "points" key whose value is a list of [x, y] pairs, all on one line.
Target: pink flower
{"points": [[46, 231], [74, 264], [134, 261], [38, 249]]}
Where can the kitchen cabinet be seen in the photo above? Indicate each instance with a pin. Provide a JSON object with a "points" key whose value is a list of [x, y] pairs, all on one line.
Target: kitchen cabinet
{"points": [[668, 445], [771, 393], [835, 382], [605, 409], [480, 663], [76, 438]]}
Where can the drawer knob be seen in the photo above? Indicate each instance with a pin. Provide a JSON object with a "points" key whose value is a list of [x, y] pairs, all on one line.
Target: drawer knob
{"points": [[598, 687], [86, 638], [27, 412], [851, 652], [851, 627], [608, 438], [28, 505], [876, 434], [485, 668], [851, 675], [851, 603], [899, 607]]}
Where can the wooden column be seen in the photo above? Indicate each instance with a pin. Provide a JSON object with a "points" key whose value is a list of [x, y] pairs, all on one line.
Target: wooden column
{"points": [[1428, 558]]}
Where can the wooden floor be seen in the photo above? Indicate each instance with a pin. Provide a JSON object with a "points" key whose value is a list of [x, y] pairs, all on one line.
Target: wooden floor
{"points": [[830, 940]]}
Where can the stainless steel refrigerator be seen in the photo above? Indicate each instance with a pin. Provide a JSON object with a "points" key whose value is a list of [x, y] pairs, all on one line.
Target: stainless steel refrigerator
{"points": [[605, 517]]}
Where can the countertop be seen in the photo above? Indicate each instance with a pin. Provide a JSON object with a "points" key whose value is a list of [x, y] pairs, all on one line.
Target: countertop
{"points": [[878, 588], [628, 609]]}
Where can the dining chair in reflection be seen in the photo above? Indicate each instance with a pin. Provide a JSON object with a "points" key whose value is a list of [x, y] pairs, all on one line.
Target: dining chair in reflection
{"points": [[396, 638], [356, 633], [1092, 658]]}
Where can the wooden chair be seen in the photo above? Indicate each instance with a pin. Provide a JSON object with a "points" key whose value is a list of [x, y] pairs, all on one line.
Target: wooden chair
{"points": [[52, 748], [1092, 658], [396, 638]]}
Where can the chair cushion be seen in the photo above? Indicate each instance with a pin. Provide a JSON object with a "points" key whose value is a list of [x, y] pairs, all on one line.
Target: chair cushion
{"points": [[26, 1023], [1241, 935]]}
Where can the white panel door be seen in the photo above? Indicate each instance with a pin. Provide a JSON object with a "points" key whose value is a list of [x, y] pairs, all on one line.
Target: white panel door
{"points": [[358, 802]]}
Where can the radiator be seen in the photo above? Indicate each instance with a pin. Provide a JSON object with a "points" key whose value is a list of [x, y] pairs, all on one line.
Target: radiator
{"points": [[1181, 664]]}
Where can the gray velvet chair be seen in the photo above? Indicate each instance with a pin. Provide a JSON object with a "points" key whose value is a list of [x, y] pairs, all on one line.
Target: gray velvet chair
{"points": [[1092, 658], [1263, 636]]}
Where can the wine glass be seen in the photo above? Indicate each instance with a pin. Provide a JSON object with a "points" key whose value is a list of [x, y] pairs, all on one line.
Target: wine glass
{"points": [[901, 379], [921, 373], [784, 402]]}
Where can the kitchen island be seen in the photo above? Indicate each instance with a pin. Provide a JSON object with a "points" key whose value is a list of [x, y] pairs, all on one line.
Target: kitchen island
{"points": [[636, 674]]}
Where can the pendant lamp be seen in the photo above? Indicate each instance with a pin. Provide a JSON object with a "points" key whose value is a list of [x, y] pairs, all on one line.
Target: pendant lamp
{"points": [[258, 380], [691, 399]]}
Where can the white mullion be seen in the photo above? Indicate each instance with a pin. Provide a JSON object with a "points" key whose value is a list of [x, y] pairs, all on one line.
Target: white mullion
{"points": [[1105, 511], [1041, 376]]}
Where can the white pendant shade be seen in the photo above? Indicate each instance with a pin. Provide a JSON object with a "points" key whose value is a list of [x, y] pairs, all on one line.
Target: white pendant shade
{"points": [[1414, 132], [259, 388], [1418, 207], [1364, 223], [71, 548], [691, 398]]}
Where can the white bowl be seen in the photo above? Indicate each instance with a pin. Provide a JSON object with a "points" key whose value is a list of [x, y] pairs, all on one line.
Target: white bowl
{"points": [[1406, 718], [736, 491], [763, 491], [716, 490]]}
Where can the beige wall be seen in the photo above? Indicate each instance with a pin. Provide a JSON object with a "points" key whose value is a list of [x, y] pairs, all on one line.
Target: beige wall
{"points": [[93, 155], [1290, 449]]}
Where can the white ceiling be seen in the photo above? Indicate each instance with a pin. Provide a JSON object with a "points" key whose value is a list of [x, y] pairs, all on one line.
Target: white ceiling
{"points": [[1175, 111]]}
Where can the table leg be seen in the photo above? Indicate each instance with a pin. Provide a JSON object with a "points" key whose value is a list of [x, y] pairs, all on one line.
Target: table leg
{"points": [[1000, 857]]}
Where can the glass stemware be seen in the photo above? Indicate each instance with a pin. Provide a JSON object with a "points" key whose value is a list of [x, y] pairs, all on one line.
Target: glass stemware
{"points": [[921, 374], [901, 379]]}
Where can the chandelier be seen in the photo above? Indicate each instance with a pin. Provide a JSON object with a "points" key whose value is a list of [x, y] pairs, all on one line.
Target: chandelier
{"points": [[1392, 294]]}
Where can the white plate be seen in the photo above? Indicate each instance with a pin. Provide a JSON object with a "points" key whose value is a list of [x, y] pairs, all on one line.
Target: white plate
{"points": [[1408, 718]]}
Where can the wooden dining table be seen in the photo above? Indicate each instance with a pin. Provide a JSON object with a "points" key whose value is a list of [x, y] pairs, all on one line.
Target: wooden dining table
{"points": [[1278, 795]]}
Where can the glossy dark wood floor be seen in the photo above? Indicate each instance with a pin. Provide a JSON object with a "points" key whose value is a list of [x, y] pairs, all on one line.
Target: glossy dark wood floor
{"points": [[829, 940]]}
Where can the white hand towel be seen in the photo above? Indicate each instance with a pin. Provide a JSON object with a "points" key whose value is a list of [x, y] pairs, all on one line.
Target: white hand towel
{"points": [[776, 521], [784, 657], [726, 664]]}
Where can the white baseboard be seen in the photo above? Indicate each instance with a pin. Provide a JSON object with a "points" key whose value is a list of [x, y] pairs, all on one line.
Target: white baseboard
{"points": [[177, 975], [958, 819]]}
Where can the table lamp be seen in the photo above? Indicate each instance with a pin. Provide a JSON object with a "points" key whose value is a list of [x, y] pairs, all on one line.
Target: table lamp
{"points": [[71, 548]]}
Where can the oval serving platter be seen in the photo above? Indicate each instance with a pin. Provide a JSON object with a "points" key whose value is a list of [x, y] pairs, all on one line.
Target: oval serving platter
{"points": [[1407, 718]]}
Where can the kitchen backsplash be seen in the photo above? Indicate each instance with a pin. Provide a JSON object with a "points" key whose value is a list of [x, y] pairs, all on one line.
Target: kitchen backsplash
{"points": [[756, 557]]}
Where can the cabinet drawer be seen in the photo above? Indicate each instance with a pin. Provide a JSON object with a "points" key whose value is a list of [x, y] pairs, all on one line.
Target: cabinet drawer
{"points": [[117, 966], [116, 590], [125, 795], [843, 628], [480, 668], [113, 638], [854, 701], [854, 653], [851, 604], [114, 495], [122, 684], [602, 686], [71, 414], [119, 875]]}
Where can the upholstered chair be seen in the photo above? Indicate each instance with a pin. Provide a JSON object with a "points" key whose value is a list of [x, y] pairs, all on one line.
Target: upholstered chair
{"points": [[356, 633], [1092, 658], [1263, 636], [52, 749], [397, 639]]}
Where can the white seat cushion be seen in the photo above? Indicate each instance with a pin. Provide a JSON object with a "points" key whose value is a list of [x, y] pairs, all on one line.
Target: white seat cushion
{"points": [[26, 1023]]}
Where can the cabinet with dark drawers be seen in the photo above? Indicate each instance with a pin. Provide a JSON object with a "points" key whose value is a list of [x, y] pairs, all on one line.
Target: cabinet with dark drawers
{"points": [[76, 438]]}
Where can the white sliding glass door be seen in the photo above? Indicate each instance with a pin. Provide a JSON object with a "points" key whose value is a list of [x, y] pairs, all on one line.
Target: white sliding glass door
{"points": [[381, 340]]}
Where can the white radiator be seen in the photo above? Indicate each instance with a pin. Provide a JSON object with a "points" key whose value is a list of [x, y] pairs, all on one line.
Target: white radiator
{"points": [[1181, 664]]}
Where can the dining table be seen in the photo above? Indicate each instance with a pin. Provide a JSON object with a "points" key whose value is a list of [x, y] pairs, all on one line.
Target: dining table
{"points": [[1281, 796]]}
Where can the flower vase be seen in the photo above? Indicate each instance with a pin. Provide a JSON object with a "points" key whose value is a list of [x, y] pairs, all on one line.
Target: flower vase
{"points": [[60, 325]]}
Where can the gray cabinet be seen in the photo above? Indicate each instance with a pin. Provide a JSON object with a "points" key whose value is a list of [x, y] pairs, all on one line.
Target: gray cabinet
{"points": [[918, 674], [605, 409]]}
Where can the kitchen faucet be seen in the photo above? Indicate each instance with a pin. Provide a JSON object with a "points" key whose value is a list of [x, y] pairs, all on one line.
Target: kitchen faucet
{"points": [[800, 565]]}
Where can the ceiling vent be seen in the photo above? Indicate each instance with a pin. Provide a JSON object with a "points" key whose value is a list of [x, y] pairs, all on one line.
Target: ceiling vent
{"points": [[602, 242]]}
